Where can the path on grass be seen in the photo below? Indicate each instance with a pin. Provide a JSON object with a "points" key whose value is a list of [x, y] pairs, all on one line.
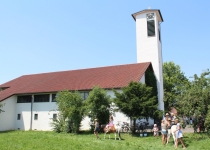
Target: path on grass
{"points": [[188, 129]]}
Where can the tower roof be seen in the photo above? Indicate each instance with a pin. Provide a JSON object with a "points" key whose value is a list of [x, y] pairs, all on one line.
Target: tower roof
{"points": [[160, 18]]}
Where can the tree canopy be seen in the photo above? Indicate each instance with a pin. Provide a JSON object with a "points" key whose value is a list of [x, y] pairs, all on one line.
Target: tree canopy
{"points": [[98, 105], [70, 104], [173, 82], [136, 101], [195, 99]]}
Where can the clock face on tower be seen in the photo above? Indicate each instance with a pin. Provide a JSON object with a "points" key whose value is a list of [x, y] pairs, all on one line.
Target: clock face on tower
{"points": [[150, 16]]}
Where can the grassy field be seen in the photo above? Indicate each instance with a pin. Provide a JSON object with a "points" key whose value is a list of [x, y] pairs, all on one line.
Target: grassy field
{"points": [[37, 140]]}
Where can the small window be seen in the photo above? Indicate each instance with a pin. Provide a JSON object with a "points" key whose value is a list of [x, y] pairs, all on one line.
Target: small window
{"points": [[159, 35], [151, 27], [53, 97], [42, 98], [18, 116], [35, 116], [84, 95], [24, 99], [54, 116]]}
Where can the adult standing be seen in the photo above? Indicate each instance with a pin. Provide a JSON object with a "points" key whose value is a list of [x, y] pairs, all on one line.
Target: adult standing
{"points": [[169, 129], [166, 118], [164, 131], [173, 117], [96, 129], [191, 120]]}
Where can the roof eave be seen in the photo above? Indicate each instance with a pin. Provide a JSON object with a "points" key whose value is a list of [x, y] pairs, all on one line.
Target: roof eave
{"points": [[146, 10]]}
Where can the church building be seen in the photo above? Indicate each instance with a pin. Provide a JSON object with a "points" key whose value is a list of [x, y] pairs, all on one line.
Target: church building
{"points": [[29, 101]]}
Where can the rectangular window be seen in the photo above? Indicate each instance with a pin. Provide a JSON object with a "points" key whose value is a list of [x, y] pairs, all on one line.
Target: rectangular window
{"points": [[24, 99], [42, 98], [159, 35], [54, 116], [151, 27], [35, 116], [53, 97], [18, 116], [84, 95]]}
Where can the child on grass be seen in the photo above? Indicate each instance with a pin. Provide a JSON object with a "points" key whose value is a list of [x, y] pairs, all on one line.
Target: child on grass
{"points": [[155, 130]]}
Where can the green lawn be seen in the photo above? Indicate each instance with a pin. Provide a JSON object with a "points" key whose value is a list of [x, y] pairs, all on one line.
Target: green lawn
{"points": [[37, 140]]}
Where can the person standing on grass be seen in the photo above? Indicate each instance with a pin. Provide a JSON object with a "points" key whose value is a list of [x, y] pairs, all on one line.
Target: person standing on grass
{"points": [[179, 134], [96, 129], [164, 126], [169, 130]]}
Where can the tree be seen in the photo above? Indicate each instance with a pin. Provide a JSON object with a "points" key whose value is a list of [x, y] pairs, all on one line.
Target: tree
{"points": [[136, 101], [207, 120], [196, 98], [173, 82], [70, 104], [98, 105]]}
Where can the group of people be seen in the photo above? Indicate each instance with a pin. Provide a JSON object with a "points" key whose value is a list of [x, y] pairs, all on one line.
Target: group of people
{"points": [[166, 129]]}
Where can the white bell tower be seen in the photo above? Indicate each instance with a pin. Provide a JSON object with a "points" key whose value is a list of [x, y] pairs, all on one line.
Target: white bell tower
{"points": [[149, 47]]}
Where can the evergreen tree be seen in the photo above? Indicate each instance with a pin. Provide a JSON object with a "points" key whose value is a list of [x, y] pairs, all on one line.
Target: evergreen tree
{"points": [[136, 101]]}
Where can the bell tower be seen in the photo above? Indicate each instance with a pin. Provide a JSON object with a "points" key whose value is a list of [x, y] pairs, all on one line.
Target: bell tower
{"points": [[149, 47]]}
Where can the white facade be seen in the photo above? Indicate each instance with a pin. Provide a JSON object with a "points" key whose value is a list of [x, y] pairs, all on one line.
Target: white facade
{"points": [[149, 48], [9, 118]]}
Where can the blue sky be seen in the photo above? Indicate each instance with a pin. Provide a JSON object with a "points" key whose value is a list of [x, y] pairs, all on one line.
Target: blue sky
{"points": [[49, 35]]}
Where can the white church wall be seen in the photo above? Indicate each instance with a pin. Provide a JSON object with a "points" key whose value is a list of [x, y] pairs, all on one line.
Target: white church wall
{"points": [[24, 109], [45, 111], [7, 118], [142, 80]]}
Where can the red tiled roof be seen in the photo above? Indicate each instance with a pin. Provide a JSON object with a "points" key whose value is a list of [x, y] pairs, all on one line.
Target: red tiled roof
{"points": [[84, 79]]}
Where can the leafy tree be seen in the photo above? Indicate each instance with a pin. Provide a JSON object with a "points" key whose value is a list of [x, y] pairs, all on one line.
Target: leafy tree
{"points": [[136, 101], [207, 120], [98, 105], [196, 98], [70, 104], [173, 82]]}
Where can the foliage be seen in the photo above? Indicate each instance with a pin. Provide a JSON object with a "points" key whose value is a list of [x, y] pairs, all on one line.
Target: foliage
{"points": [[39, 140], [70, 104], [136, 101], [61, 125], [207, 119], [150, 80], [98, 105], [173, 82], [195, 100]]}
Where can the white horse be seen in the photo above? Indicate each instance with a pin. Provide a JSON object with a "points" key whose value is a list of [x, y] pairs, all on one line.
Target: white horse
{"points": [[173, 129]]}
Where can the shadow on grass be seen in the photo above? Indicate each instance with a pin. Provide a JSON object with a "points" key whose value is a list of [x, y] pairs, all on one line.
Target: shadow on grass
{"points": [[8, 131]]}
